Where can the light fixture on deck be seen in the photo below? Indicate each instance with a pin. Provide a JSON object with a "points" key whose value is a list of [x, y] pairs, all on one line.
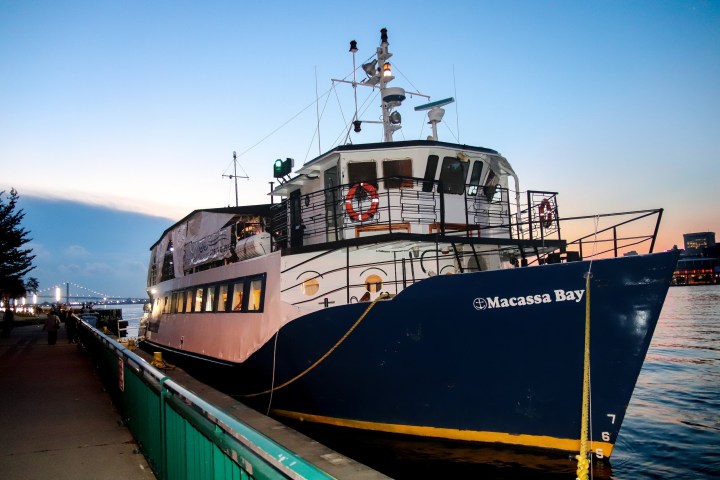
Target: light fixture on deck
{"points": [[387, 72], [369, 68], [353, 46], [395, 118], [356, 125]]}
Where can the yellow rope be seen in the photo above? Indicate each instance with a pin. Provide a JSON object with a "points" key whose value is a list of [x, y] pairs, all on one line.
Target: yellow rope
{"points": [[327, 354], [582, 458]]}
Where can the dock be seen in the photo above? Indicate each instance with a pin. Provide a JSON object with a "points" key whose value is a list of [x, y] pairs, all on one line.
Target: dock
{"points": [[56, 420], [102, 412]]}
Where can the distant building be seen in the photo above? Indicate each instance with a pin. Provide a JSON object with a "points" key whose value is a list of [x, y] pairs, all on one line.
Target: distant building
{"points": [[700, 263], [695, 243]]}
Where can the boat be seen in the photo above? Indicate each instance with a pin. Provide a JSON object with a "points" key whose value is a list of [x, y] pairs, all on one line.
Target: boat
{"points": [[411, 289]]}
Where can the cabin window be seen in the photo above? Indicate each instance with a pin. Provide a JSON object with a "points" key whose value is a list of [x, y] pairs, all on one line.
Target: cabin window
{"points": [[188, 301], [222, 298], [210, 299], [397, 168], [475, 177], [430, 169], [179, 301], [198, 299], [173, 303], [166, 305], [255, 295], [452, 175], [362, 172], [237, 296]]}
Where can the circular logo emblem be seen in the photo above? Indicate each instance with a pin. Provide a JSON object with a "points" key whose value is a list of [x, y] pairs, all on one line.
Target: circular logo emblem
{"points": [[479, 304]]}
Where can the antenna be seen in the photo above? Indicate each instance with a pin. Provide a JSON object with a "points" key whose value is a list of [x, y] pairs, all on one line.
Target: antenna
{"points": [[435, 113], [379, 74], [235, 176]]}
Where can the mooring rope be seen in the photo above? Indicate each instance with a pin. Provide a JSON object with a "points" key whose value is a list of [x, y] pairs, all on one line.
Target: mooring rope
{"points": [[327, 354], [582, 458]]}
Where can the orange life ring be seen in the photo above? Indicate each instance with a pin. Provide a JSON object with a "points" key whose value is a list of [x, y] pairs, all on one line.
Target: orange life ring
{"points": [[546, 213], [374, 202]]}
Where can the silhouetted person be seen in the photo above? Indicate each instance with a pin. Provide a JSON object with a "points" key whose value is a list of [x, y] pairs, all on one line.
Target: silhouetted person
{"points": [[8, 319], [52, 325], [71, 327]]}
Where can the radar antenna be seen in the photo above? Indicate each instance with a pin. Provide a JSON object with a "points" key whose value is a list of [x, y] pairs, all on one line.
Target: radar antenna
{"points": [[435, 113]]}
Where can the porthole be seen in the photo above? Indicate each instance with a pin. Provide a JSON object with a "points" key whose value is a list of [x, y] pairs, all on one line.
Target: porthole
{"points": [[310, 286], [373, 283]]}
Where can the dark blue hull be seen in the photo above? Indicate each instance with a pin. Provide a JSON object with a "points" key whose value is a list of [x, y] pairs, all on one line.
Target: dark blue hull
{"points": [[483, 357]]}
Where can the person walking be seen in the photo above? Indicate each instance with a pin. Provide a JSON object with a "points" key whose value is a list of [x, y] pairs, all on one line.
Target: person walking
{"points": [[52, 325], [8, 319], [71, 327]]}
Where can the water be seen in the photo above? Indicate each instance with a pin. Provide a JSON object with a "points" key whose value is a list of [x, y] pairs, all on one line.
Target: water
{"points": [[671, 430], [133, 313], [672, 427]]}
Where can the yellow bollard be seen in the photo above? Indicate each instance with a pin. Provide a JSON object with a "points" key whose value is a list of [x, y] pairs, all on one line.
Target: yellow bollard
{"points": [[158, 362]]}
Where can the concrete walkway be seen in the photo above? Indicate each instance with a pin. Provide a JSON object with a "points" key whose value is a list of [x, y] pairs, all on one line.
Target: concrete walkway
{"points": [[56, 421]]}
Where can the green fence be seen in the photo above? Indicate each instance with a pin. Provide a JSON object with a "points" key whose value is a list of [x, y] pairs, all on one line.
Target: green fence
{"points": [[181, 435]]}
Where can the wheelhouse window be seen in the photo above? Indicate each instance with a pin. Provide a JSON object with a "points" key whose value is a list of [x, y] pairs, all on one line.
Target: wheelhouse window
{"points": [[475, 176], [452, 175], [397, 168], [362, 172], [491, 185], [430, 170]]}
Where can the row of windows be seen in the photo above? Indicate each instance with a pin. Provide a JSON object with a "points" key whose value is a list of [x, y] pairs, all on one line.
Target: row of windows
{"points": [[239, 295], [453, 175]]}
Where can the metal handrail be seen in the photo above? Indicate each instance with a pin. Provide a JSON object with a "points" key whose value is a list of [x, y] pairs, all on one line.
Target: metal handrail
{"points": [[271, 455]]}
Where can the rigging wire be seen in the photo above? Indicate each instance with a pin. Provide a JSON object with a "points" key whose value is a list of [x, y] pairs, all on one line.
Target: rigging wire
{"points": [[282, 125], [317, 128], [457, 116], [317, 113]]}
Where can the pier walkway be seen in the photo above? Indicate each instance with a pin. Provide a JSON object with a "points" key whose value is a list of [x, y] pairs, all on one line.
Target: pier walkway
{"points": [[56, 421]]}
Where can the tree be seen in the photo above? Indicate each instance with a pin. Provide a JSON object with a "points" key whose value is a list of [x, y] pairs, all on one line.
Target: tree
{"points": [[15, 261]]}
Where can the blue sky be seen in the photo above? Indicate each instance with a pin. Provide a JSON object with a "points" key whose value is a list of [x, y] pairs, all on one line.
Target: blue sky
{"points": [[129, 111]]}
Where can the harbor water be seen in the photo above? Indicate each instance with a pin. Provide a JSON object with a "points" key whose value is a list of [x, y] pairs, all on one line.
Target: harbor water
{"points": [[671, 430]]}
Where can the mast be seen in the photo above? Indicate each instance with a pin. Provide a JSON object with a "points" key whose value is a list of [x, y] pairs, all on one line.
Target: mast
{"points": [[235, 176], [379, 73]]}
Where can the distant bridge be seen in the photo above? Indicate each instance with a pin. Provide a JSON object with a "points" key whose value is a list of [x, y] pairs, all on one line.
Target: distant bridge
{"points": [[61, 292]]}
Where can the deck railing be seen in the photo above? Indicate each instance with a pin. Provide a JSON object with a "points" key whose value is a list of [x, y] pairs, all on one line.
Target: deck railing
{"points": [[319, 216], [180, 434], [490, 212]]}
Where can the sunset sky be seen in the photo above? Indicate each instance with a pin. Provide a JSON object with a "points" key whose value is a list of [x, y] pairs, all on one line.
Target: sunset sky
{"points": [[117, 118]]}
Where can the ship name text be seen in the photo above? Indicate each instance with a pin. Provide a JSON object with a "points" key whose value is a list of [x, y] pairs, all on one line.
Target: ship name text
{"points": [[558, 295]]}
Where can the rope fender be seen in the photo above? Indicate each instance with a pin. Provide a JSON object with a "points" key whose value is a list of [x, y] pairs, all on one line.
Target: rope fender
{"points": [[583, 466]]}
